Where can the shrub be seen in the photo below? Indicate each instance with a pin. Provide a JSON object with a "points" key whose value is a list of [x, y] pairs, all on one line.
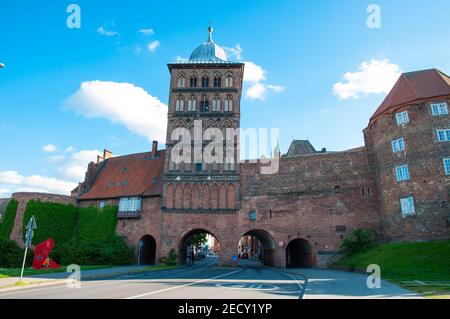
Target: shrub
{"points": [[11, 255], [359, 240], [112, 252], [53, 220], [170, 259], [7, 223]]}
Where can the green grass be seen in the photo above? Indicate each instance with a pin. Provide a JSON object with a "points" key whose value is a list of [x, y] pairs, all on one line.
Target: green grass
{"points": [[404, 262], [15, 272]]}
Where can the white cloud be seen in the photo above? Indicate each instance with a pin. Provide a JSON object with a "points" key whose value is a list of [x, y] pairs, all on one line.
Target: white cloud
{"points": [[5, 192], [122, 103], [180, 59], [147, 31], [39, 183], [69, 149], [152, 46], [372, 77], [49, 148], [57, 158], [107, 33], [234, 52], [254, 76], [75, 167]]}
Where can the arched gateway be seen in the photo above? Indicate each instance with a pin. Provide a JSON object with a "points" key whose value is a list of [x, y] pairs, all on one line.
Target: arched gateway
{"points": [[147, 250], [299, 254]]}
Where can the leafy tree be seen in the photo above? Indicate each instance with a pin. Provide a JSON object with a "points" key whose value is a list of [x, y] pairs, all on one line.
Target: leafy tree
{"points": [[359, 240]]}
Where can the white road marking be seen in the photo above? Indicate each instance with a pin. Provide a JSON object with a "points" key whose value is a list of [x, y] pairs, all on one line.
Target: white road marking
{"points": [[246, 286], [181, 286]]}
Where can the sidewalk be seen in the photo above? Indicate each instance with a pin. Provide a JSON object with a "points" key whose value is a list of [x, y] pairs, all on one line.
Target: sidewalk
{"points": [[60, 278]]}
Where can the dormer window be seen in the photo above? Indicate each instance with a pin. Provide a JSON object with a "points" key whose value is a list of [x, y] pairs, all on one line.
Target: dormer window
{"points": [[130, 204], [439, 109], [402, 118]]}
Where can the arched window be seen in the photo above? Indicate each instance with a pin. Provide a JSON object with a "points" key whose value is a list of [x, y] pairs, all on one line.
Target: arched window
{"points": [[229, 80], [205, 81], [228, 107], [193, 81], [217, 80], [216, 104], [192, 104], [181, 81], [179, 105], [204, 104]]}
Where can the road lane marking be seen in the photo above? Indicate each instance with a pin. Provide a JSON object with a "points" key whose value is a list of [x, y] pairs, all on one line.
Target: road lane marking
{"points": [[302, 287], [185, 285], [246, 286]]}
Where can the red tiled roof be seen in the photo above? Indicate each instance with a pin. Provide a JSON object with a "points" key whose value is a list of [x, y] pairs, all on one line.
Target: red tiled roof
{"points": [[129, 175], [415, 86]]}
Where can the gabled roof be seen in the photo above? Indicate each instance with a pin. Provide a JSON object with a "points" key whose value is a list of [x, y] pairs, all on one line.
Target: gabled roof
{"points": [[300, 147], [415, 86], [129, 175]]}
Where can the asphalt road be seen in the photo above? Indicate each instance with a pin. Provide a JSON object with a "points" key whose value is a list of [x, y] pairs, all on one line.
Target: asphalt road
{"points": [[206, 280]]}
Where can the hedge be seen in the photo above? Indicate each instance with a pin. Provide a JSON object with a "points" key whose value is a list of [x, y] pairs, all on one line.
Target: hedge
{"points": [[85, 236], [11, 255], [53, 220], [7, 223], [96, 225]]}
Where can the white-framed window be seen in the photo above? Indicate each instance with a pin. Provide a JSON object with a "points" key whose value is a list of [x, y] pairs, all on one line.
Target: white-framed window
{"points": [[101, 204], [398, 145], [181, 81], [407, 206], [228, 106], [229, 80], [130, 204], [402, 118], [447, 166], [192, 105], [216, 105], [402, 173], [179, 105], [443, 135], [439, 108]]}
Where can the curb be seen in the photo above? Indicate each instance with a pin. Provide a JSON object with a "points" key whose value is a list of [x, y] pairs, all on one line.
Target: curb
{"points": [[50, 282]]}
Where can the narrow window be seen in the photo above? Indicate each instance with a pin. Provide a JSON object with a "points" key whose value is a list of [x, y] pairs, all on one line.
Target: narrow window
{"points": [[407, 206], [193, 81], [252, 215], [402, 118], [205, 81], [402, 173]]}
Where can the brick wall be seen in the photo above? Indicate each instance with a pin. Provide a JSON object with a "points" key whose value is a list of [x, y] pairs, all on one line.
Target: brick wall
{"points": [[428, 183]]}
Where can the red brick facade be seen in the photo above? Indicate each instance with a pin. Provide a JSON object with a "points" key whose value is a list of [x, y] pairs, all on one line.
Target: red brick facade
{"points": [[301, 213]]}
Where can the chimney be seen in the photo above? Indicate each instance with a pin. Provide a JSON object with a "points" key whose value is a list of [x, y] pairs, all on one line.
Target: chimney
{"points": [[107, 154], [154, 148]]}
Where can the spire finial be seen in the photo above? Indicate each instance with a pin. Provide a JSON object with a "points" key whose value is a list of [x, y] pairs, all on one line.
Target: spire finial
{"points": [[210, 30]]}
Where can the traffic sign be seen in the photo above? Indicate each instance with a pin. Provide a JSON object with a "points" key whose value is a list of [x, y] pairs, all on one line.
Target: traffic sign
{"points": [[32, 223]]}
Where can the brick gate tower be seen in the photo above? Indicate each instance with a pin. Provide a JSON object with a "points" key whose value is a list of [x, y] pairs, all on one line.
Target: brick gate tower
{"points": [[204, 101]]}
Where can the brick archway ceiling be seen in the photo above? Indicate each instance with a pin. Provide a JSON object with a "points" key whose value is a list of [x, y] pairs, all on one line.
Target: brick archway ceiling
{"points": [[414, 86]]}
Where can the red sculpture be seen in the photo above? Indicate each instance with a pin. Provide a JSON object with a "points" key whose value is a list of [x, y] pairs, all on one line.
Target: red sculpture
{"points": [[41, 255]]}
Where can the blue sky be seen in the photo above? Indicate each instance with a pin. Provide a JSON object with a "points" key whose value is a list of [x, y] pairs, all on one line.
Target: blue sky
{"points": [[304, 48]]}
